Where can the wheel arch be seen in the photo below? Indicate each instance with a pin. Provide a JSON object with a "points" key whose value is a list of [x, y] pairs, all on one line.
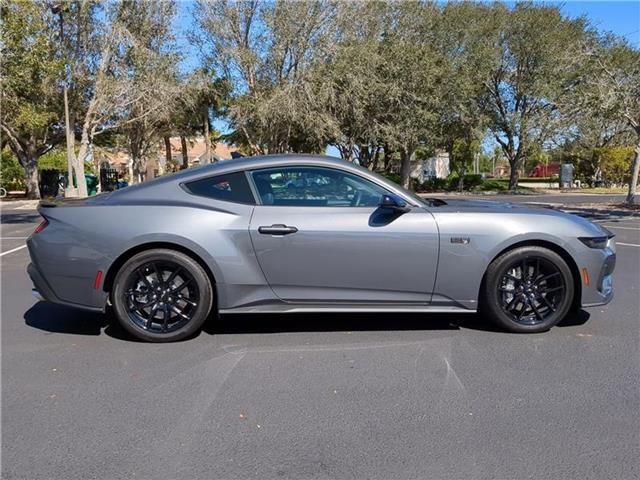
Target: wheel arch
{"points": [[117, 264], [554, 247]]}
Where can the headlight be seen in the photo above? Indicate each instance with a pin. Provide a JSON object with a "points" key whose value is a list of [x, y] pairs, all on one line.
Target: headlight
{"points": [[598, 242]]}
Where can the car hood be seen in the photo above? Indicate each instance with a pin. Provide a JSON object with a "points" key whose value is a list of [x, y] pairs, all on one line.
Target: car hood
{"points": [[492, 204], [457, 206]]}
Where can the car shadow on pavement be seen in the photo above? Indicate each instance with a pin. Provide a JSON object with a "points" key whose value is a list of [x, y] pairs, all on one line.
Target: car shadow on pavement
{"points": [[16, 218], [60, 319], [329, 322], [54, 318]]}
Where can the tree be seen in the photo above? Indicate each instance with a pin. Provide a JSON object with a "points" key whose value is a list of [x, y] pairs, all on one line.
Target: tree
{"points": [[462, 39], [149, 59], [264, 52], [346, 83], [31, 115], [609, 88], [412, 74], [532, 50]]}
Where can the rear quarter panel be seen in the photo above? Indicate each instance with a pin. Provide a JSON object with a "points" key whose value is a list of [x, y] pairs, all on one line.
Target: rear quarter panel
{"points": [[81, 240]]}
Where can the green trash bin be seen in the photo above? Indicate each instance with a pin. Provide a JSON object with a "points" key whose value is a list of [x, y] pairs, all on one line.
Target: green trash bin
{"points": [[92, 183]]}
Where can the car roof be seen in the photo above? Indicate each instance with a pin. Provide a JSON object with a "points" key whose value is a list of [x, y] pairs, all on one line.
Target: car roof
{"points": [[240, 164], [243, 164]]}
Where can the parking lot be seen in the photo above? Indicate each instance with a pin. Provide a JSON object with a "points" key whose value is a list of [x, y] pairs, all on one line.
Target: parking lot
{"points": [[321, 396]]}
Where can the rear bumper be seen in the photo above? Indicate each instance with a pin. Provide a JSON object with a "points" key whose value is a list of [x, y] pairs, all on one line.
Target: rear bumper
{"points": [[42, 291]]}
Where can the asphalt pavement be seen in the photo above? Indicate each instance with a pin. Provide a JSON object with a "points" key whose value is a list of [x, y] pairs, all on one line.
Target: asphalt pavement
{"points": [[385, 396]]}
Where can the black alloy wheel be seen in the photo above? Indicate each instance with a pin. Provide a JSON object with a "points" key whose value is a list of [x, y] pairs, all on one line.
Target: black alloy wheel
{"points": [[162, 295], [531, 290], [528, 289]]}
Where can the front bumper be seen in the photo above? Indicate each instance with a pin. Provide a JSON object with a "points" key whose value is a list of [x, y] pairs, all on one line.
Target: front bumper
{"points": [[600, 291]]}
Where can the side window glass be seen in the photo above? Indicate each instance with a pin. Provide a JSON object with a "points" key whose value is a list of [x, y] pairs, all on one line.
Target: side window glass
{"points": [[232, 187], [314, 186]]}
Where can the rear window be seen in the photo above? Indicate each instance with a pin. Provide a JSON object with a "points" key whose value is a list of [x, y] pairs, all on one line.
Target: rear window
{"points": [[232, 187]]}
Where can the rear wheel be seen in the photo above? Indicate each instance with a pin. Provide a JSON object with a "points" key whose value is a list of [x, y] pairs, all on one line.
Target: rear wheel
{"points": [[162, 296], [528, 289]]}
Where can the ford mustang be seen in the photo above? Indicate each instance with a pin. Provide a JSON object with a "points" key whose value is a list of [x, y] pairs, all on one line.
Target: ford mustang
{"points": [[297, 233]]}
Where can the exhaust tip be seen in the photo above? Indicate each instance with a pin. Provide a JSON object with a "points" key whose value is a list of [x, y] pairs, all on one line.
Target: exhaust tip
{"points": [[36, 293]]}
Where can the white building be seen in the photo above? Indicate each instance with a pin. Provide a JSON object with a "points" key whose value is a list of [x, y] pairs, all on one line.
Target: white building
{"points": [[432, 167]]}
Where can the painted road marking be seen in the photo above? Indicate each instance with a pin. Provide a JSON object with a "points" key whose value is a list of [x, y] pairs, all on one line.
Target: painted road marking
{"points": [[627, 244], [13, 238], [12, 250]]}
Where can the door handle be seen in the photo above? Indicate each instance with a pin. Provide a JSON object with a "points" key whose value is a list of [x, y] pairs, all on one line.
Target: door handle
{"points": [[278, 229]]}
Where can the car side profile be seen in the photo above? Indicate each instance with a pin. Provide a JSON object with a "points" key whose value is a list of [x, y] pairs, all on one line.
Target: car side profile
{"points": [[298, 233]]}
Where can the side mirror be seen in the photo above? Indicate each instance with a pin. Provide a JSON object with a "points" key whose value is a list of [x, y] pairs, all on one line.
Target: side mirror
{"points": [[393, 202]]}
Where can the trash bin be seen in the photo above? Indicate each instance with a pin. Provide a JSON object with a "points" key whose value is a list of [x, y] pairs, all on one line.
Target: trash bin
{"points": [[92, 183], [566, 175]]}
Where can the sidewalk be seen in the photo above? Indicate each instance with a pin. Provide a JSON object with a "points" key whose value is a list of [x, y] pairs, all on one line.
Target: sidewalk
{"points": [[19, 204]]}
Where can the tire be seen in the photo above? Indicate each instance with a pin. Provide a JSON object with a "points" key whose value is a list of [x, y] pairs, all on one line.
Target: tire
{"points": [[148, 299], [529, 303]]}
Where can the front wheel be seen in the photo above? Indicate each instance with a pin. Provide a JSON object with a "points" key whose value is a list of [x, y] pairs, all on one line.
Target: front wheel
{"points": [[528, 289], [162, 296]]}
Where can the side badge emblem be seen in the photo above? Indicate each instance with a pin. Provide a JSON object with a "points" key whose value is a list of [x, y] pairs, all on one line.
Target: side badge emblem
{"points": [[461, 240]]}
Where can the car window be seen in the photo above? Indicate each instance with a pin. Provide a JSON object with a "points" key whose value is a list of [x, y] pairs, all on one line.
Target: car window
{"points": [[231, 187], [315, 186]]}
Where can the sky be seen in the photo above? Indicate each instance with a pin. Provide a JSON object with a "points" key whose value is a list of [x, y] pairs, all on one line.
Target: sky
{"points": [[621, 17]]}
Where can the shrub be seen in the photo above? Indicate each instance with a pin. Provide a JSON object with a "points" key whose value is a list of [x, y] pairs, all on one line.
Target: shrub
{"points": [[434, 184], [394, 177], [470, 182], [11, 172]]}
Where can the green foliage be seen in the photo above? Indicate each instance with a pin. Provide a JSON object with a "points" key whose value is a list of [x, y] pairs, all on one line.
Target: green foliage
{"points": [[394, 177], [434, 185], [470, 181], [462, 154], [11, 173], [614, 163], [494, 185], [30, 69], [54, 159]]}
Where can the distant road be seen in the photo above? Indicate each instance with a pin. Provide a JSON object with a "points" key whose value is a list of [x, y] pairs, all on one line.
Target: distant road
{"points": [[556, 198]]}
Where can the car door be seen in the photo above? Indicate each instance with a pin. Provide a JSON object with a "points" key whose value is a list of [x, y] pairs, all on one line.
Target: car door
{"points": [[320, 236]]}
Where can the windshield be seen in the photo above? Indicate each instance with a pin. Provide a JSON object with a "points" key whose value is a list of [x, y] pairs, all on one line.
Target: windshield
{"points": [[421, 201]]}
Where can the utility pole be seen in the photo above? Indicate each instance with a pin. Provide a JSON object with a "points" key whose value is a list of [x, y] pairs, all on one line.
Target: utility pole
{"points": [[70, 191]]}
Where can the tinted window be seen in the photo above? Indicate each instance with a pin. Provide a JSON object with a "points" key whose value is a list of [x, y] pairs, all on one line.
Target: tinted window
{"points": [[232, 187], [314, 186]]}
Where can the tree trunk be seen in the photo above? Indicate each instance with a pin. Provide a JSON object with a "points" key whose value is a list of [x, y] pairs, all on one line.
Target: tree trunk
{"points": [[514, 175], [70, 191], [79, 167], [633, 183], [185, 153], [405, 168], [373, 166], [388, 156], [168, 157], [207, 139], [31, 174], [461, 176]]}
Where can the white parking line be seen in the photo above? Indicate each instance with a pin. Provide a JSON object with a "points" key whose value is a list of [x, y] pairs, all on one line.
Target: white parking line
{"points": [[13, 238], [12, 250], [627, 244]]}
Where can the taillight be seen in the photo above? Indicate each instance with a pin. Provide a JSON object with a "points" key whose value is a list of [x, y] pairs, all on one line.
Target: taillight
{"points": [[41, 227]]}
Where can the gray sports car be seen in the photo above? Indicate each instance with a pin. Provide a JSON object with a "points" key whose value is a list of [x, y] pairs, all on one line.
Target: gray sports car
{"points": [[295, 233]]}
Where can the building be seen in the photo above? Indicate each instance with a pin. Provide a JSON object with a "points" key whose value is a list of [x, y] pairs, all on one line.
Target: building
{"points": [[436, 166], [121, 161]]}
